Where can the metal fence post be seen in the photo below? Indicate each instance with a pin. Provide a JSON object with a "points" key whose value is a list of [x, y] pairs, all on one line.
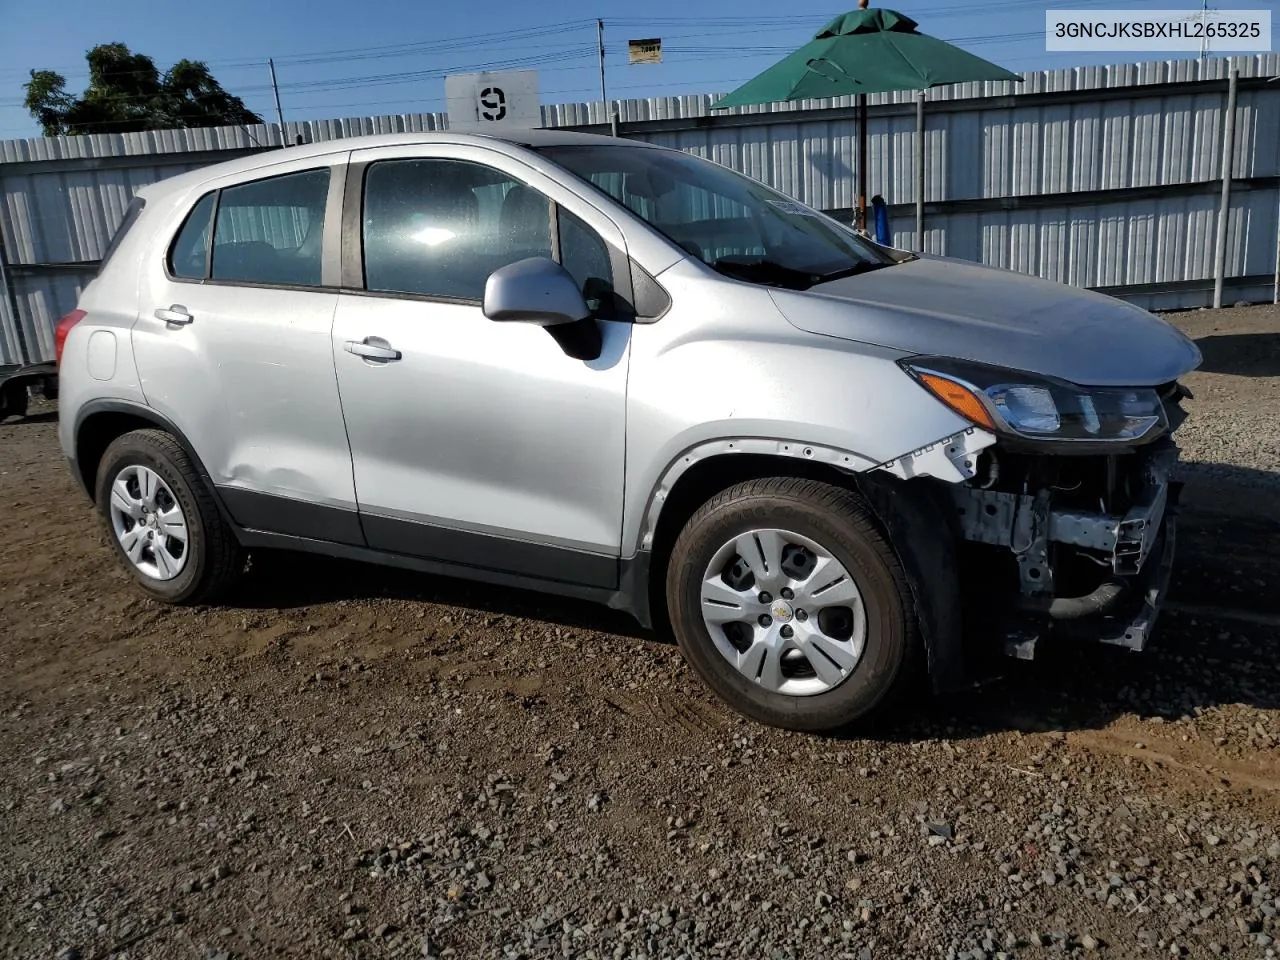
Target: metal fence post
{"points": [[11, 298], [1275, 290], [1228, 157], [920, 170]]}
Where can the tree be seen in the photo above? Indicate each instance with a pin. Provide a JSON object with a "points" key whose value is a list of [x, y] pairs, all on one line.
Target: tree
{"points": [[126, 93]]}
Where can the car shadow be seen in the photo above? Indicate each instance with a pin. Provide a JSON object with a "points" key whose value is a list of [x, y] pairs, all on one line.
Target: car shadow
{"points": [[1217, 641], [1241, 354], [281, 580]]}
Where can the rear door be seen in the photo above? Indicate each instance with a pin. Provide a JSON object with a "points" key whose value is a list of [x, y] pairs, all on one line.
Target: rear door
{"points": [[233, 345], [476, 442]]}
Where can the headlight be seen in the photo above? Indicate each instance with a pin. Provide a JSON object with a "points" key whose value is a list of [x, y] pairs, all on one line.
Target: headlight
{"points": [[1038, 408]]}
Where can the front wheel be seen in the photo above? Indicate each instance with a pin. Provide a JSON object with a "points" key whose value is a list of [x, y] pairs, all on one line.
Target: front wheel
{"points": [[790, 604], [163, 522]]}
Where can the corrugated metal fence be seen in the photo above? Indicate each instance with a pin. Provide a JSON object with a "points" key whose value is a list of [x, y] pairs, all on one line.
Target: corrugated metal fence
{"points": [[1105, 177]]}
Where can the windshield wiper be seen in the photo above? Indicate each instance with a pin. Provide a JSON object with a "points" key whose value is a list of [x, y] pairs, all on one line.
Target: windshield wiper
{"points": [[774, 274], [771, 273], [852, 270]]}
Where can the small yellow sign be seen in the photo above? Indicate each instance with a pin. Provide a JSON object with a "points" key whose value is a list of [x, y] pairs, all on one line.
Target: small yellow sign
{"points": [[644, 51]]}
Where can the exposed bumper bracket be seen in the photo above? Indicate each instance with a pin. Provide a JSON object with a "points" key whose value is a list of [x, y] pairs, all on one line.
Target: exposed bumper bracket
{"points": [[1010, 520], [1137, 545], [1135, 634]]}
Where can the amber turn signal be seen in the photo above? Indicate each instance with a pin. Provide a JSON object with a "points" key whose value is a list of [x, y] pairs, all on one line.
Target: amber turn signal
{"points": [[959, 398]]}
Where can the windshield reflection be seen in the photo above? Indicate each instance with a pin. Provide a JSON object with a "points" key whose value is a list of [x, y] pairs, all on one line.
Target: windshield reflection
{"points": [[735, 225]]}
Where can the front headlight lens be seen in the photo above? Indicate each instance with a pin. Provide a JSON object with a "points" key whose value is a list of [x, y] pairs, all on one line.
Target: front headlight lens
{"points": [[1038, 408], [1026, 408]]}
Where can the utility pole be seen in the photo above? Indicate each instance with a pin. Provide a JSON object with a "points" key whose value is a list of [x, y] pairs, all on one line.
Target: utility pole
{"points": [[276, 90], [1204, 39], [613, 117], [1224, 204]]}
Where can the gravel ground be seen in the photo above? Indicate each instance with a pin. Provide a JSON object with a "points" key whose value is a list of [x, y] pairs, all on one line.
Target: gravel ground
{"points": [[354, 762]]}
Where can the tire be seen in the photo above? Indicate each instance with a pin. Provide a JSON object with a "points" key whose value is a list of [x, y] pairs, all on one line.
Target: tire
{"points": [[209, 561], [835, 525]]}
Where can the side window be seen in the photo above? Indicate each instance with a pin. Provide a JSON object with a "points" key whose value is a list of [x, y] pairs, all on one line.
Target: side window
{"points": [[440, 227], [586, 257], [271, 231], [189, 255]]}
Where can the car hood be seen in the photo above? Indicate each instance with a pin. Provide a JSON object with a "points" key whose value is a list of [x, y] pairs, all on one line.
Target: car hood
{"points": [[952, 308]]}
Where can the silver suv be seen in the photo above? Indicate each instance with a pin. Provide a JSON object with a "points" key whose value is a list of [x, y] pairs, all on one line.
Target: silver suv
{"points": [[609, 370]]}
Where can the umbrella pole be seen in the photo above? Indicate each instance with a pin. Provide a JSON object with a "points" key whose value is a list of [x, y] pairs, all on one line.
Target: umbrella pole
{"points": [[920, 170], [862, 163]]}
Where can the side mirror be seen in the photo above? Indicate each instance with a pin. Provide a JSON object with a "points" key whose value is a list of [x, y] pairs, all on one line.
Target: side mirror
{"points": [[537, 290]]}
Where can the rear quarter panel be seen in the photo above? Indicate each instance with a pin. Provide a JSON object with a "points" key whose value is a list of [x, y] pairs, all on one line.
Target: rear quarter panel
{"points": [[97, 359]]}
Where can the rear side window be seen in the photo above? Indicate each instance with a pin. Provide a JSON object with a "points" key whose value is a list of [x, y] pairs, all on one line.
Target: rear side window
{"points": [[267, 231], [131, 214], [271, 231], [189, 257]]}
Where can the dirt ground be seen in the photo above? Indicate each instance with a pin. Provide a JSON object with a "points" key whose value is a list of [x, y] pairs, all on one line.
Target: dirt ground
{"points": [[348, 761]]}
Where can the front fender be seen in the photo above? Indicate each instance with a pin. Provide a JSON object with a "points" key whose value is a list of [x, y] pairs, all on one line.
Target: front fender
{"points": [[728, 446], [951, 459], [724, 372]]}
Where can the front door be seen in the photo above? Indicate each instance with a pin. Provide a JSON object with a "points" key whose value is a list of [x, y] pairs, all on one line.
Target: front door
{"points": [[475, 442]]}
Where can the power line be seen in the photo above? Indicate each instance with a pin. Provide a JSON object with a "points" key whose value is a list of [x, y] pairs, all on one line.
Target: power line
{"points": [[302, 87], [382, 51], [467, 41], [566, 54], [577, 52]]}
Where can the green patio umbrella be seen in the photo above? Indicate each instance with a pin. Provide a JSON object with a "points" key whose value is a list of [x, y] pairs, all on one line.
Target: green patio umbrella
{"points": [[860, 52]]}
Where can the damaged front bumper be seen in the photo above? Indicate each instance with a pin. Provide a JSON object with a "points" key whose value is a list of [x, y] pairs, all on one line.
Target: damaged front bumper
{"points": [[1098, 574]]}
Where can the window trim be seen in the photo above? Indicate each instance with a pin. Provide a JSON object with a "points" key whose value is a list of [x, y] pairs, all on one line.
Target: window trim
{"points": [[334, 199], [352, 268], [553, 227], [208, 241], [132, 213]]}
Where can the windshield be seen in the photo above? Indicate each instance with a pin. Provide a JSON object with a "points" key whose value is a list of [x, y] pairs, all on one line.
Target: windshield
{"points": [[734, 224]]}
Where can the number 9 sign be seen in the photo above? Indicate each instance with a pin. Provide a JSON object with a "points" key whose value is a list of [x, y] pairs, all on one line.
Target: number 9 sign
{"points": [[480, 101], [493, 104]]}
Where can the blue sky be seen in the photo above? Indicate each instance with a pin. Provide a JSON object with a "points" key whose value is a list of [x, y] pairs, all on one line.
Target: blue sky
{"points": [[337, 58]]}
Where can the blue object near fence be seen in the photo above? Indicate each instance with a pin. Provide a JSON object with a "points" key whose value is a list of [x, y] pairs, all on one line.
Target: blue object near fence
{"points": [[881, 214]]}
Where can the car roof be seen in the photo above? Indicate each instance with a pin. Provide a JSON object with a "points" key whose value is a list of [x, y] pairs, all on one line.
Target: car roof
{"points": [[268, 157]]}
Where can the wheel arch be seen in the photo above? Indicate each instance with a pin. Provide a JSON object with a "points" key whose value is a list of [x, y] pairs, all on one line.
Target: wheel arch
{"points": [[701, 473], [908, 511], [100, 422]]}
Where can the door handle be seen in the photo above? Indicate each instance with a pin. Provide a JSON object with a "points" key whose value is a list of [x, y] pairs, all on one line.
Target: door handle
{"points": [[373, 348], [176, 313]]}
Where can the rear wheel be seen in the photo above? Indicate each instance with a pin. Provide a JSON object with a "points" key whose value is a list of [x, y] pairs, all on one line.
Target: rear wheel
{"points": [[163, 521], [788, 601]]}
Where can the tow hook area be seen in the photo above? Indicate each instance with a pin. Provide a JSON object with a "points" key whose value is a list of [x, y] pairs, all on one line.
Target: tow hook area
{"points": [[1055, 543], [1151, 587]]}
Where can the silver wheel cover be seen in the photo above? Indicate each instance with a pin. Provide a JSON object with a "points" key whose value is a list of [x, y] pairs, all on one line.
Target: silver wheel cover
{"points": [[148, 522], [784, 612]]}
